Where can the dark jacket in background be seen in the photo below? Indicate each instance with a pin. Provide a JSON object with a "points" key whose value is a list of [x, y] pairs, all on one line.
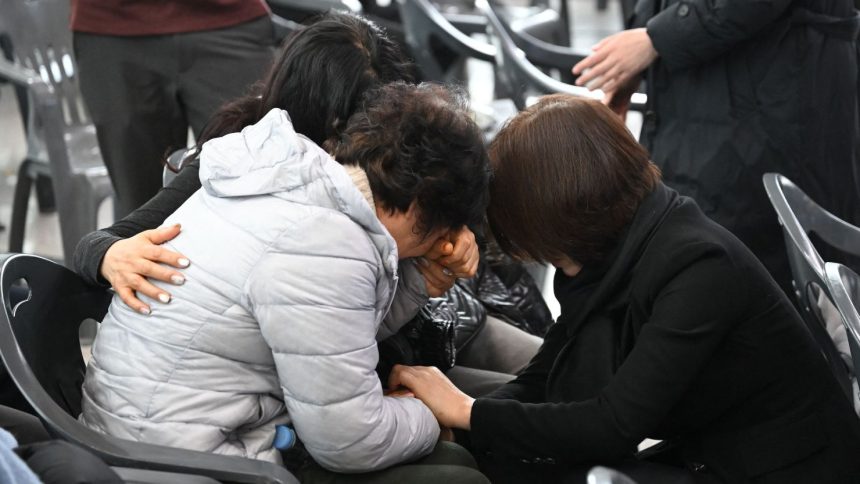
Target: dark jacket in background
{"points": [[745, 87], [681, 336]]}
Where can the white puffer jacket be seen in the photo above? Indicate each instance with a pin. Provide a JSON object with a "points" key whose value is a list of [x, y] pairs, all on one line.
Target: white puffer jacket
{"points": [[292, 282]]}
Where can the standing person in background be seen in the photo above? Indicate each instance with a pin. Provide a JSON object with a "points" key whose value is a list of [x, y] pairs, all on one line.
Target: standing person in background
{"points": [[149, 69], [739, 88]]}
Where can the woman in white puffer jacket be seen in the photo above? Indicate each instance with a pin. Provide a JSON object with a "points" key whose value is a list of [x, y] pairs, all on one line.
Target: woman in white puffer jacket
{"points": [[301, 263]]}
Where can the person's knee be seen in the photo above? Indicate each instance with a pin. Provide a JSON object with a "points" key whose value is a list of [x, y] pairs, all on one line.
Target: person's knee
{"points": [[57, 462], [451, 454], [26, 428], [458, 475]]}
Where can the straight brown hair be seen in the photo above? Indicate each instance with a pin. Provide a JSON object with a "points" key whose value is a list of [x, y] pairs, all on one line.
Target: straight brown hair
{"points": [[568, 178]]}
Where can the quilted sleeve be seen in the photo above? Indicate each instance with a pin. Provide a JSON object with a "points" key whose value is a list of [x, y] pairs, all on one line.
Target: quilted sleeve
{"points": [[314, 297]]}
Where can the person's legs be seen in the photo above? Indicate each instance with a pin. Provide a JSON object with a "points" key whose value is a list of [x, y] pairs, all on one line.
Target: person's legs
{"points": [[220, 65], [449, 463], [26, 428], [57, 462], [499, 347], [476, 382], [641, 472], [129, 87]]}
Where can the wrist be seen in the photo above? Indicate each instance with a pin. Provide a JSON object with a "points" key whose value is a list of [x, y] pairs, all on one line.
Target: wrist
{"points": [[465, 414]]}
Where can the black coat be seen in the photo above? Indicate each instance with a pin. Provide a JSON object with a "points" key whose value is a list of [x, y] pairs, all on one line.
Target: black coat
{"points": [[682, 336], [745, 87]]}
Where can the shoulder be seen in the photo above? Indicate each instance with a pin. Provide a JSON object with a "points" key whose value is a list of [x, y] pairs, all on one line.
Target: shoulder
{"points": [[688, 246], [328, 233], [321, 246]]}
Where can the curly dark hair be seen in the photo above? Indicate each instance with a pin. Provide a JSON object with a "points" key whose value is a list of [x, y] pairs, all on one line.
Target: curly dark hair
{"points": [[418, 143]]}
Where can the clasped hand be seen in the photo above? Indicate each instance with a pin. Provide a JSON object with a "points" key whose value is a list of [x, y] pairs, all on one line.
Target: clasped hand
{"points": [[453, 256]]}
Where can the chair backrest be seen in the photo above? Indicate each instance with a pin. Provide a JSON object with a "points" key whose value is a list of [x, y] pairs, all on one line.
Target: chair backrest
{"points": [[844, 286], [173, 164], [40, 38], [426, 29], [43, 306], [799, 217], [518, 77], [537, 49]]}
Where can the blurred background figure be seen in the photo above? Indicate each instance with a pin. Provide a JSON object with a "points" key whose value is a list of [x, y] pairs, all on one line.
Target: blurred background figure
{"points": [[737, 89], [149, 69]]}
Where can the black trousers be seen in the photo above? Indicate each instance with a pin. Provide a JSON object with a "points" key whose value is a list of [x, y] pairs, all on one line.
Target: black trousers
{"points": [[449, 463], [144, 92], [640, 471], [57, 462], [26, 428]]}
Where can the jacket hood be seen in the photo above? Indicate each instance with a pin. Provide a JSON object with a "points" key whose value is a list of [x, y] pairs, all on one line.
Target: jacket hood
{"points": [[270, 158]]}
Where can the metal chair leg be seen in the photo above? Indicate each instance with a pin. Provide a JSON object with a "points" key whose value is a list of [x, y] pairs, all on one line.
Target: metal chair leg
{"points": [[45, 194], [20, 203]]}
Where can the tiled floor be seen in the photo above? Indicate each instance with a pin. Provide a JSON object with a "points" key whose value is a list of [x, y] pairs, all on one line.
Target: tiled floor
{"points": [[42, 233]]}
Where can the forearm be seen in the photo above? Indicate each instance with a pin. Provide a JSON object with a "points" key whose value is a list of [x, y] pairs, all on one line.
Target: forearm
{"points": [[92, 248], [572, 432], [404, 430], [89, 254]]}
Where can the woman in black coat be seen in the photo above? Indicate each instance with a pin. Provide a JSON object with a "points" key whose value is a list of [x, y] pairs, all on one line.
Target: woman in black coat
{"points": [[670, 329], [738, 88]]}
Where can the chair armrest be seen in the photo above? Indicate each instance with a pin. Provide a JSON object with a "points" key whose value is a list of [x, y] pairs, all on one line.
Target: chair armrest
{"points": [[219, 467], [124, 453], [19, 75], [46, 107], [838, 233], [156, 477], [468, 23], [454, 38], [797, 212]]}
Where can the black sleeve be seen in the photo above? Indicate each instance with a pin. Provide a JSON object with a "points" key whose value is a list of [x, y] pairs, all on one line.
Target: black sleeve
{"points": [[690, 318], [530, 384], [693, 32], [92, 248]]}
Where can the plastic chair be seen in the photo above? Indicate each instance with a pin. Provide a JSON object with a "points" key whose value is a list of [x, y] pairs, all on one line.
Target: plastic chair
{"points": [[173, 164], [844, 286], [528, 34], [61, 139], [799, 216], [517, 77], [605, 475], [40, 349], [427, 30]]}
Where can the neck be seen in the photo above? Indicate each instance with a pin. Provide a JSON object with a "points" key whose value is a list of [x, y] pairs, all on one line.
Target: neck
{"points": [[359, 179]]}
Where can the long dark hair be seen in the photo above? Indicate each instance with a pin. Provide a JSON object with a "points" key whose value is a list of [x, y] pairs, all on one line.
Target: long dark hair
{"points": [[319, 77]]}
